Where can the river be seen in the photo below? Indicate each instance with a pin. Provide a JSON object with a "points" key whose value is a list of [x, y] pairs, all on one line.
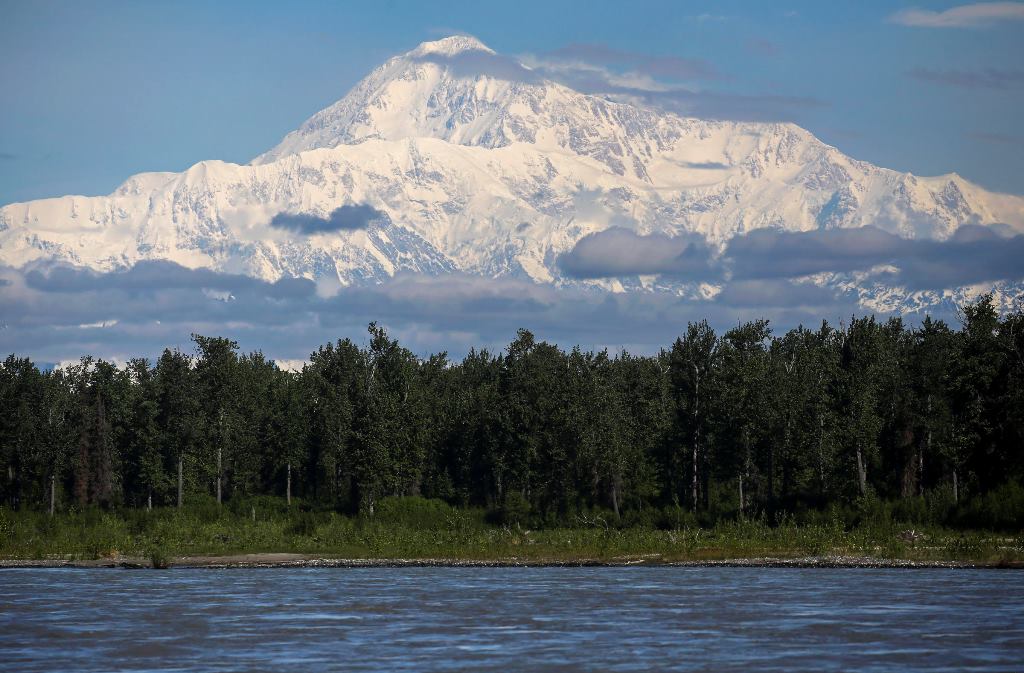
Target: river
{"points": [[511, 619]]}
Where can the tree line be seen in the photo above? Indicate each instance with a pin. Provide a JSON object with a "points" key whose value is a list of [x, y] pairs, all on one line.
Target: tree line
{"points": [[745, 422]]}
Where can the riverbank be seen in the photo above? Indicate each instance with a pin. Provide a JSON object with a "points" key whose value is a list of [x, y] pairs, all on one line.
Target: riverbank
{"points": [[214, 537], [289, 560]]}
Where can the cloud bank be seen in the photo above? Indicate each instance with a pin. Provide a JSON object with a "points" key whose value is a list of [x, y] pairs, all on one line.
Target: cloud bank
{"points": [[974, 254], [56, 313]]}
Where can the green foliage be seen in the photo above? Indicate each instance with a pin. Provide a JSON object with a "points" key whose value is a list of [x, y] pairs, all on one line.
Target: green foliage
{"points": [[514, 510], [873, 423], [158, 557], [432, 530], [421, 513], [1000, 509], [303, 524]]}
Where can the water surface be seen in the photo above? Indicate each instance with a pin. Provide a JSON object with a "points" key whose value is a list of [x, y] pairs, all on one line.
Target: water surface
{"points": [[512, 619]]}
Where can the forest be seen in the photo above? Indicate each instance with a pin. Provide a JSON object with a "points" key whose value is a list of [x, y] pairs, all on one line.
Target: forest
{"points": [[739, 424]]}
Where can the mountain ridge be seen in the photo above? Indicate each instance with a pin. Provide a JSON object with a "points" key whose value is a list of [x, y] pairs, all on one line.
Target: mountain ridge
{"points": [[479, 165]]}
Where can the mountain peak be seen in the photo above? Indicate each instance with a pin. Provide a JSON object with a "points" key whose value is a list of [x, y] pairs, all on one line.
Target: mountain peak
{"points": [[450, 46]]}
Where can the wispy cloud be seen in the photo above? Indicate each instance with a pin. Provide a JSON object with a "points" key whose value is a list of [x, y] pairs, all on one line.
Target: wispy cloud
{"points": [[7, 156], [976, 15], [672, 68], [343, 218], [597, 70], [721, 105], [985, 78], [996, 138], [760, 46], [652, 81]]}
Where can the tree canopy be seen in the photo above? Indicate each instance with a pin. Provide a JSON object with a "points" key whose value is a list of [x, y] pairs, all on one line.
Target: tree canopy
{"points": [[744, 422]]}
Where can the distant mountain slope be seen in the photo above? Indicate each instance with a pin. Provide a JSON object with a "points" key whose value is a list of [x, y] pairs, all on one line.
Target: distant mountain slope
{"points": [[477, 164]]}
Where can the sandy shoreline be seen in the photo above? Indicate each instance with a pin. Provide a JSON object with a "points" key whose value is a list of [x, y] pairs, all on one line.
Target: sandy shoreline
{"points": [[285, 560]]}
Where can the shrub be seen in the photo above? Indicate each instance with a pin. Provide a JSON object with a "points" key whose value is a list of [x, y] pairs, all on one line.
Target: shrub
{"points": [[1000, 509], [265, 506], [911, 511], [303, 524], [158, 557], [515, 510], [415, 512]]}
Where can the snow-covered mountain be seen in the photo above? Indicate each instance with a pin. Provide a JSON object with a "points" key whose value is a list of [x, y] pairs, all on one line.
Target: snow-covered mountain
{"points": [[476, 163]]}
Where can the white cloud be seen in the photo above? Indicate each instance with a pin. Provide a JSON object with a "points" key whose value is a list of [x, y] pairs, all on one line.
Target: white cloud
{"points": [[705, 17], [963, 16]]}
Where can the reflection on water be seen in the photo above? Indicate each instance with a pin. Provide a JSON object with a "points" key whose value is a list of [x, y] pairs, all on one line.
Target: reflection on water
{"points": [[484, 619]]}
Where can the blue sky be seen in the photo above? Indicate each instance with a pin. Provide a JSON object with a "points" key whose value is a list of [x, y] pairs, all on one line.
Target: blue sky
{"points": [[94, 92]]}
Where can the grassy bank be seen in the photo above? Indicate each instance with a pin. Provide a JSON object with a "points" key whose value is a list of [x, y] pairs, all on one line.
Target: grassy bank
{"points": [[412, 529]]}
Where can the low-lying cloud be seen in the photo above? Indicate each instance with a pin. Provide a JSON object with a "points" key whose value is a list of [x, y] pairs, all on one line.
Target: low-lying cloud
{"points": [[56, 313], [974, 254], [620, 252], [161, 275], [771, 253], [342, 218], [53, 317]]}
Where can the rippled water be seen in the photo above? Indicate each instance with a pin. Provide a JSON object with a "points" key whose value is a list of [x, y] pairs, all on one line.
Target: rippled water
{"points": [[478, 619]]}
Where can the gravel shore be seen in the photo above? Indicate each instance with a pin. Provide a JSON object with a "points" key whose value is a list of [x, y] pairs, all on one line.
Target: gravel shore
{"points": [[283, 560]]}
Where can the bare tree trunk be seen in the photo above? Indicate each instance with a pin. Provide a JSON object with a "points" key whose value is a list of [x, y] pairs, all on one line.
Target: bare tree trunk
{"points": [[694, 483], [181, 470], [696, 437], [742, 504], [219, 455], [920, 463], [862, 472], [53, 492], [956, 487], [928, 445], [288, 491], [615, 497], [149, 501], [821, 454]]}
